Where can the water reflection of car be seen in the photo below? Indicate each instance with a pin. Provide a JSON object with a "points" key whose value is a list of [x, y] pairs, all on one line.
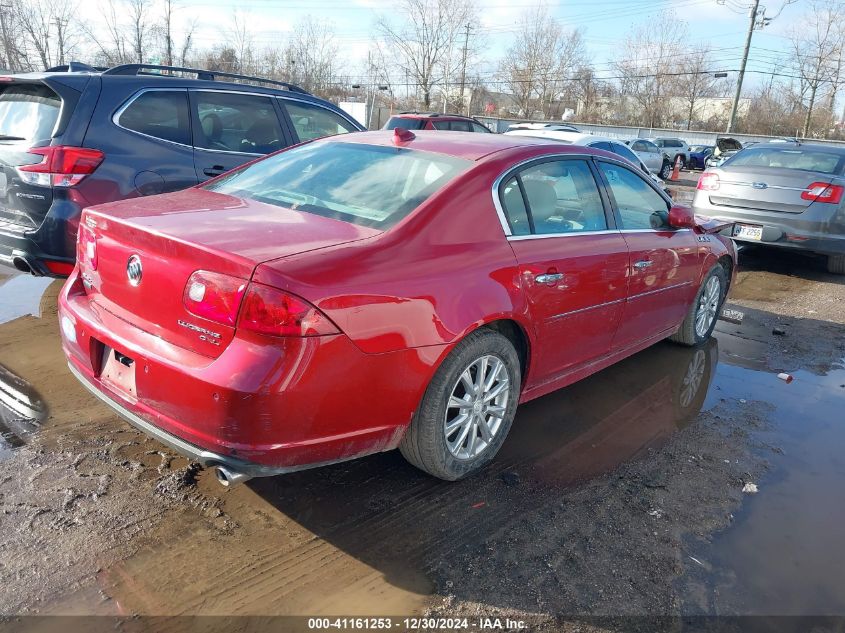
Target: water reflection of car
{"points": [[21, 410]]}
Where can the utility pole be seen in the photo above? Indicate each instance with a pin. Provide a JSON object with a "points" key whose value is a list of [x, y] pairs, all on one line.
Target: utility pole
{"points": [[467, 27], [751, 24]]}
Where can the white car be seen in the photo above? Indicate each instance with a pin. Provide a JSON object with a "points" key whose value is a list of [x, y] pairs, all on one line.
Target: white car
{"points": [[612, 145]]}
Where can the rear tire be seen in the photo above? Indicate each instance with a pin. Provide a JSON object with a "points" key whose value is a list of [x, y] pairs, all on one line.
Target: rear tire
{"points": [[461, 397], [702, 315], [836, 264]]}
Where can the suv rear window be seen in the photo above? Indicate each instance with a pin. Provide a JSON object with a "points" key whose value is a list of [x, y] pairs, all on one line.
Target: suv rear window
{"points": [[406, 124], [361, 184], [28, 112], [159, 113], [790, 158]]}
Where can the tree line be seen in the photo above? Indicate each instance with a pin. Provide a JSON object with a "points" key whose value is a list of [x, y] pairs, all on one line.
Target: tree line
{"points": [[435, 54]]}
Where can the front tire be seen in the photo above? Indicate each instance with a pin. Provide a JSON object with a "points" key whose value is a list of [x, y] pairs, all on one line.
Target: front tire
{"points": [[467, 409], [666, 170], [702, 315]]}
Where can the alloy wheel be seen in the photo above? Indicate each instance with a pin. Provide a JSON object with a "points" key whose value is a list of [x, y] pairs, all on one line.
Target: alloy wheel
{"points": [[477, 407], [708, 306]]}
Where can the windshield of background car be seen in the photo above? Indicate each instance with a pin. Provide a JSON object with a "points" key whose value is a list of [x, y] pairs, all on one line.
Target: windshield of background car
{"points": [[406, 124], [362, 184], [28, 112], [802, 159]]}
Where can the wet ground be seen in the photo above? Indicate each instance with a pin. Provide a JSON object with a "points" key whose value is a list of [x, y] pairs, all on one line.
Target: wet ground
{"points": [[630, 492]]}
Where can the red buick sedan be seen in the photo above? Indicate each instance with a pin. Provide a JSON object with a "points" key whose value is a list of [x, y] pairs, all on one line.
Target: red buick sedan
{"points": [[379, 290]]}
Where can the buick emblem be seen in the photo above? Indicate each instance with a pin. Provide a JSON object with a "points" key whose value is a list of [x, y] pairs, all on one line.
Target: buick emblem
{"points": [[134, 270]]}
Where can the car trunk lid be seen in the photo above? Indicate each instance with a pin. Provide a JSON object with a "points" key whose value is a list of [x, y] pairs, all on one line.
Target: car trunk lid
{"points": [[175, 235], [766, 188]]}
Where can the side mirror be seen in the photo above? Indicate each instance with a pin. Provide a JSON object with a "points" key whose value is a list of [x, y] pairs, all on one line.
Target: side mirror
{"points": [[681, 217]]}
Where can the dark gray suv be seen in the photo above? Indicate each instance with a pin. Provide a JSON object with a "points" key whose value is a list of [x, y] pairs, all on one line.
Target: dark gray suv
{"points": [[75, 136]]}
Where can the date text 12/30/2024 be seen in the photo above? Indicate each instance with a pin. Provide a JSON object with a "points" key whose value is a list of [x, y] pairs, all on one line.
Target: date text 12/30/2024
{"points": [[415, 624]]}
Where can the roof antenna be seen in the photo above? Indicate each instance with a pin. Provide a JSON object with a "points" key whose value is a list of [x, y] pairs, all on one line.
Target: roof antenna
{"points": [[401, 135]]}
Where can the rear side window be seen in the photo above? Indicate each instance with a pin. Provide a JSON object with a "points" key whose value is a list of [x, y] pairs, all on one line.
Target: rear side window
{"points": [[477, 127], [361, 184], [516, 213], [159, 113], [624, 152], [231, 122], [563, 197], [406, 124], [601, 145], [459, 126], [28, 112], [312, 121], [790, 158]]}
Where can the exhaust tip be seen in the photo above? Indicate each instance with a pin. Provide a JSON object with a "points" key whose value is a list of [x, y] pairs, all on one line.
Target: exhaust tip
{"points": [[22, 265], [229, 478]]}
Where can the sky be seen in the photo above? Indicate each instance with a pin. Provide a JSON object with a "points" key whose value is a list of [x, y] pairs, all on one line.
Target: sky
{"points": [[603, 23]]}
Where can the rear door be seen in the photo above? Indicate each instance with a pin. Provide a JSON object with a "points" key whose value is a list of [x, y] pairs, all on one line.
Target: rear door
{"points": [[572, 260], [232, 128], [664, 261]]}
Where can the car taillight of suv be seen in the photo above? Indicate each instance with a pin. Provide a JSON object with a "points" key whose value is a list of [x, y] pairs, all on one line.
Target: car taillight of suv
{"points": [[60, 166]]}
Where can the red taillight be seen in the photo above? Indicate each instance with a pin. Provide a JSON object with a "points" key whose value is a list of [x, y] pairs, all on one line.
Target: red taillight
{"points": [[214, 296], [708, 181], [87, 250], [823, 192], [60, 166], [59, 268], [270, 311]]}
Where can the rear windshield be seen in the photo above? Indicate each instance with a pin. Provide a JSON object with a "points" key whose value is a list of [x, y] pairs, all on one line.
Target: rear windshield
{"points": [[28, 112], [407, 124], [361, 184], [803, 159]]}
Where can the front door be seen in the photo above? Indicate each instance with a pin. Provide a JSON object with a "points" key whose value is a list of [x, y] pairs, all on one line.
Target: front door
{"points": [[664, 261], [573, 263]]}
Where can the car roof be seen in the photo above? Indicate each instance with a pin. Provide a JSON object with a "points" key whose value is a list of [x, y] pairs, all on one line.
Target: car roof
{"points": [[576, 138], [838, 149], [430, 115], [467, 145]]}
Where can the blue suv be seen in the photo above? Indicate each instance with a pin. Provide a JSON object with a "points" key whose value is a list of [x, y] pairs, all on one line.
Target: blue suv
{"points": [[75, 136]]}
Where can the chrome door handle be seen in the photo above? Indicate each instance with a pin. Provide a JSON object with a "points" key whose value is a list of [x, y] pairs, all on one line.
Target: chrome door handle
{"points": [[548, 278], [643, 263]]}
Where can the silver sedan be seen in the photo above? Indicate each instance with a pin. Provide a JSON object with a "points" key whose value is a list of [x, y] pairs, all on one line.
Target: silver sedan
{"points": [[785, 195]]}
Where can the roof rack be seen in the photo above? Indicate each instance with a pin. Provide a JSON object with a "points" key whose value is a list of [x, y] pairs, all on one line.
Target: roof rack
{"points": [[207, 75], [75, 67], [429, 114]]}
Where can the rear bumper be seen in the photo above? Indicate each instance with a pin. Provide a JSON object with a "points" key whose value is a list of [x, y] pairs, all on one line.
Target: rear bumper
{"points": [[263, 406], [813, 230], [53, 241]]}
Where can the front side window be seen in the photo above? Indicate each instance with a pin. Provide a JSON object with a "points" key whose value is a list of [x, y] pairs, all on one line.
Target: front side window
{"points": [[28, 112], [159, 113], [231, 122], [640, 206], [562, 197], [311, 121], [362, 184], [477, 127], [459, 126]]}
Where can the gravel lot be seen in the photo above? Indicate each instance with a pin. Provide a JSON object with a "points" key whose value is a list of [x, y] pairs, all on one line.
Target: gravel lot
{"points": [[619, 495]]}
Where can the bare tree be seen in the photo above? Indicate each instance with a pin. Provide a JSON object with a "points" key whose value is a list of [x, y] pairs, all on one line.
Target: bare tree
{"points": [[427, 33], [696, 81], [139, 27], [537, 63], [314, 50], [817, 49], [645, 67]]}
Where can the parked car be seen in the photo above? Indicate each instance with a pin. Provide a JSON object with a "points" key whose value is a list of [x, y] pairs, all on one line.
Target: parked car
{"points": [[698, 155], [724, 149], [366, 292], [435, 121], [654, 158], [787, 195], [74, 136], [560, 127], [588, 140], [674, 148]]}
